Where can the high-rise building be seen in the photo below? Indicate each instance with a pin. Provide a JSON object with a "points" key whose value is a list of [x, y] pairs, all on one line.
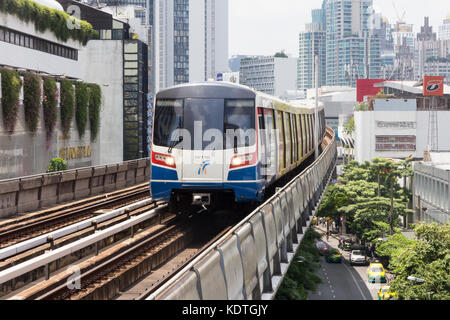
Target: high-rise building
{"points": [[271, 75], [431, 55], [351, 48], [190, 41], [312, 42], [444, 29], [426, 31]]}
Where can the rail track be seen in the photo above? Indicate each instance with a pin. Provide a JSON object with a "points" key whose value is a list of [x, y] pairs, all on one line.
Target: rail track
{"points": [[122, 265], [17, 232]]}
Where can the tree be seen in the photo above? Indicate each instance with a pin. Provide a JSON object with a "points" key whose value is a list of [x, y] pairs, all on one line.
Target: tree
{"points": [[281, 54], [427, 258], [349, 127]]}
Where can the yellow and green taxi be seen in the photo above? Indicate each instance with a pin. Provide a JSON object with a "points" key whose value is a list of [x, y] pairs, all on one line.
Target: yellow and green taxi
{"points": [[333, 256], [385, 294], [376, 273]]}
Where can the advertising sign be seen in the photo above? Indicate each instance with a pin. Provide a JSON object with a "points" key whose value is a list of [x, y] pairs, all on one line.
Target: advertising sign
{"points": [[433, 86], [365, 87]]}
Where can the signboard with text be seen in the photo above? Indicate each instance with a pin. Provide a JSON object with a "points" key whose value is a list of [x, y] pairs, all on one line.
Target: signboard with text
{"points": [[433, 86]]}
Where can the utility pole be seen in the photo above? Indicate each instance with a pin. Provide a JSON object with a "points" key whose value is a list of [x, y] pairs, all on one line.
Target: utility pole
{"points": [[316, 111], [392, 207]]}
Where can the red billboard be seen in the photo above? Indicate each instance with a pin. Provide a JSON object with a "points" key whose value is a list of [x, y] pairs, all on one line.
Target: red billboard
{"points": [[365, 87], [433, 86]]}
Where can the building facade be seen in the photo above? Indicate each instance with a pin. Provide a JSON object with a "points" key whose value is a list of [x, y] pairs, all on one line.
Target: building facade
{"points": [[99, 61], [271, 75], [312, 42], [190, 41], [431, 191], [400, 127], [351, 49], [444, 29]]}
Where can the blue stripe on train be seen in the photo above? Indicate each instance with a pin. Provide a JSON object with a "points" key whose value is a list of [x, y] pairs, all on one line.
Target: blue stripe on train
{"points": [[159, 173], [244, 192]]}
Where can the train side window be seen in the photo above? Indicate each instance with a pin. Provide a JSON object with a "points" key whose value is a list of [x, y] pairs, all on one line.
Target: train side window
{"points": [[302, 118], [311, 128], [287, 134], [299, 137], [282, 149], [294, 139]]}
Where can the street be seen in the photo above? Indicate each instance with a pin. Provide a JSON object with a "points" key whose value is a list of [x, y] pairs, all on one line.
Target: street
{"points": [[341, 281]]}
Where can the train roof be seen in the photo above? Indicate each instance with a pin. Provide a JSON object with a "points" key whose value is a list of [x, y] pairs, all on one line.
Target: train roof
{"points": [[210, 89], [224, 90]]}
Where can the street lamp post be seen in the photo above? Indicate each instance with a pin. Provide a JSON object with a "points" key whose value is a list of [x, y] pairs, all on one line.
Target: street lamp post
{"points": [[420, 280]]}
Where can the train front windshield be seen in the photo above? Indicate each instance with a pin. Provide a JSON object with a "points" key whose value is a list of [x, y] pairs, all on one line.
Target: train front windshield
{"points": [[216, 121]]}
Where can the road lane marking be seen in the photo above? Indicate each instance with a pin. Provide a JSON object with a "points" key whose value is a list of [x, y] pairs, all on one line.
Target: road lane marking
{"points": [[356, 282]]}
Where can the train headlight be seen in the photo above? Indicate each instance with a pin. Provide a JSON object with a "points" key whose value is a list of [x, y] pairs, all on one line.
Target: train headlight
{"points": [[243, 160], [163, 160], [236, 162]]}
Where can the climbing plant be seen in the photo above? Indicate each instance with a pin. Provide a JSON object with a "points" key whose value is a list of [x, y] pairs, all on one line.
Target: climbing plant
{"points": [[81, 113], [11, 85], [49, 103], [67, 103], [59, 22], [95, 98], [31, 100]]}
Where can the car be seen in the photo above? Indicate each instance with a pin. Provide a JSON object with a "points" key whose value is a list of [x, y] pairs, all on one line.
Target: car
{"points": [[376, 273], [323, 247], [385, 294], [333, 256], [358, 257]]}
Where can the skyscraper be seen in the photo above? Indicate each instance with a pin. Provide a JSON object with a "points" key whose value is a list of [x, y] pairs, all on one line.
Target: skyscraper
{"points": [[352, 51], [444, 29], [312, 42], [190, 41]]}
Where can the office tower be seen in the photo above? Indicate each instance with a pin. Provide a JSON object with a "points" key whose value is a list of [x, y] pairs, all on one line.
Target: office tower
{"points": [[190, 41], [444, 29], [352, 52]]}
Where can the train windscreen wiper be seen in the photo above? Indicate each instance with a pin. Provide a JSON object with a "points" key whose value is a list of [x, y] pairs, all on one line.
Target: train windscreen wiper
{"points": [[174, 143]]}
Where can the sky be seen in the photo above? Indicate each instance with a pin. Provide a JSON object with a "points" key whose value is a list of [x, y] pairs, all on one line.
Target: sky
{"points": [[264, 27]]}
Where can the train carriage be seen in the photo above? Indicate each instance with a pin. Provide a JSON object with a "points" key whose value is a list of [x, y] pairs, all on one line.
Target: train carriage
{"points": [[215, 142]]}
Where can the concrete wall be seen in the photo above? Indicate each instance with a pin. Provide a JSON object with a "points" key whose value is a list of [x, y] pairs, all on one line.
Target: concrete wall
{"points": [[26, 58], [285, 73], [98, 62], [31, 193], [367, 129]]}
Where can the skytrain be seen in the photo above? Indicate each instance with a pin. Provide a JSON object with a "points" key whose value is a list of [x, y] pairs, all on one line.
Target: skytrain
{"points": [[217, 142]]}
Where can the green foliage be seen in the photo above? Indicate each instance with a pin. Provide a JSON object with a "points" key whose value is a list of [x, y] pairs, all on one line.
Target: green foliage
{"points": [[45, 18], [363, 197], [302, 276], [427, 257], [349, 127], [281, 54], [363, 106], [95, 98], [57, 164], [50, 103], [82, 100], [11, 85], [67, 103], [31, 100]]}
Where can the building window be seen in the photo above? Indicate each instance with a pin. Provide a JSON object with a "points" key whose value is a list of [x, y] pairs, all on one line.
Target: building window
{"points": [[35, 43], [395, 143]]}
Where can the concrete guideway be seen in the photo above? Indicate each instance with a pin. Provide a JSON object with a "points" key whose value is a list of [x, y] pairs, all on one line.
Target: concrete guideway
{"points": [[251, 260]]}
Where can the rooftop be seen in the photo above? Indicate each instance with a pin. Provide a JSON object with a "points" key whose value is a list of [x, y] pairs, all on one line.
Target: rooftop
{"points": [[408, 86]]}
